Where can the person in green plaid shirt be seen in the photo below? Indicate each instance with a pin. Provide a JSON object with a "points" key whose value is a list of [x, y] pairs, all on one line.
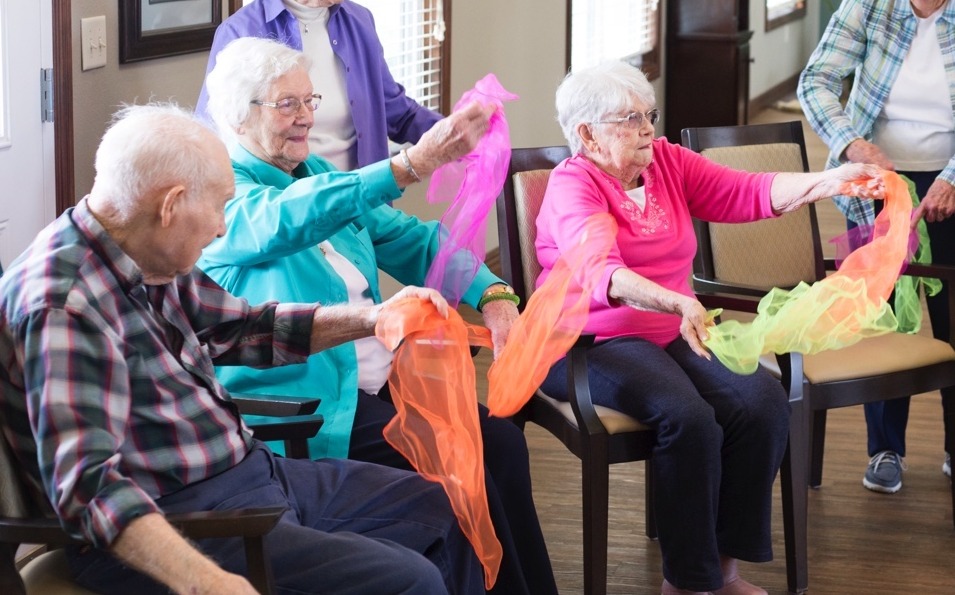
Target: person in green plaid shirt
{"points": [[899, 116]]}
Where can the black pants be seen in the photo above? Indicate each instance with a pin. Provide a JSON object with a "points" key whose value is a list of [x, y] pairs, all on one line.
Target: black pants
{"points": [[525, 567]]}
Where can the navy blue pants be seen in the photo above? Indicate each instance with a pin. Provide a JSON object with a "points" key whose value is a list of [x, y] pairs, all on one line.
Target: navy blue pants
{"points": [[351, 527], [721, 438], [886, 420], [525, 567]]}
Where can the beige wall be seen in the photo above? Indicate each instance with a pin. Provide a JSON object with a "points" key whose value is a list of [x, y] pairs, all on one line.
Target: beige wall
{"points": [[781, 53], [522, 43], [97, 93]]}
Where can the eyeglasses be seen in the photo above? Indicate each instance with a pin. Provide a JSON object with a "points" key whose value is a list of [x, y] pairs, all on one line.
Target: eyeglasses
{"points": [[291, 105], [634, 119]]}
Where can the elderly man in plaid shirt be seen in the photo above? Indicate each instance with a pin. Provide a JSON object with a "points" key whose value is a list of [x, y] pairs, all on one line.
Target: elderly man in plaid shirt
{"points": [[109, 400]]}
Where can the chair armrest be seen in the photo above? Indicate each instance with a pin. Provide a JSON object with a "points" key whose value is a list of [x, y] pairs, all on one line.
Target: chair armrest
{"points": [[243, 522], [581, 402], [729, 301], [290, 428], [710, 286], [274, 405]]}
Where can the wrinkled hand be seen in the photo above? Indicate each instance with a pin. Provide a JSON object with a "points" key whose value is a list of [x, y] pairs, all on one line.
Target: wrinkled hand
{"points": [[499, 317], [859, 179], [225, 584], [452, 137], [421, 293], [938, 204], [862, 151], [693, 326]]}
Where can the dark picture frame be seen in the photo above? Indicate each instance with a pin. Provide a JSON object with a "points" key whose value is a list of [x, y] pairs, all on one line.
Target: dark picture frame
{"points": [[135, 44]]}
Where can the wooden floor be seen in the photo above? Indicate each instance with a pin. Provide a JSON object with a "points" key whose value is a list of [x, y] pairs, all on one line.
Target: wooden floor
{"points": [[859, 542]]}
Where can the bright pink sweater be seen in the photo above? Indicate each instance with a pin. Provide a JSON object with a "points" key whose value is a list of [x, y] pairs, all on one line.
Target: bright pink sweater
{"points": [[659, 243]]}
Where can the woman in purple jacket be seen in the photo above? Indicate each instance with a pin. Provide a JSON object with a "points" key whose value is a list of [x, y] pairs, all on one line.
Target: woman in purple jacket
{"points": [[362, 105], [720, 435]]}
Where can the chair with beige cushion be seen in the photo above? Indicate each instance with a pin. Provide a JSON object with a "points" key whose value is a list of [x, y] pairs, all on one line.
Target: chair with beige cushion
{"points": [[752, 258], [598, 436]]}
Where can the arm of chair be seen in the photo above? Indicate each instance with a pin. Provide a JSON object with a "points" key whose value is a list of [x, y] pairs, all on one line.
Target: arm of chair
{"points": [[581, 401], [251, 524], [294, 430], [290, 419], [274, 405]]}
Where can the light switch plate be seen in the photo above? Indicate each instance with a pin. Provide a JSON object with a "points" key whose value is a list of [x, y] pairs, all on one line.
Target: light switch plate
{"points": [[93, 40]]}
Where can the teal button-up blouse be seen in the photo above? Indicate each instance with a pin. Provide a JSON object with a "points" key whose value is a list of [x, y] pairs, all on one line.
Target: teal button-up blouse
{"points": [[270, 252]]}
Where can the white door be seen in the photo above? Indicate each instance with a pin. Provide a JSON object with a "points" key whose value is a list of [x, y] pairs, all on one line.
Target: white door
{"points": [[27, 186]]}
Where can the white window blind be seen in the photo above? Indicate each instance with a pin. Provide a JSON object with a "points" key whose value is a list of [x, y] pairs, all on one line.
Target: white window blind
{"points": [[411, 32], [612, 29]]}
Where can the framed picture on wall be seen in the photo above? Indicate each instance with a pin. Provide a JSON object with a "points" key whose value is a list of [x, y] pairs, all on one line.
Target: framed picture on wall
{"points": [[159, 28]]}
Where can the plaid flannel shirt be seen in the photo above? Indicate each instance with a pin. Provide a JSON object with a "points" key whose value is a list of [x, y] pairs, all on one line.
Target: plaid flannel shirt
{"points": [[108, 396], [869, 38]]}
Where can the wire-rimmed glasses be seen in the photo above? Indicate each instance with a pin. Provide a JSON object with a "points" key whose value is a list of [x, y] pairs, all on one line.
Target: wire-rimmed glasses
{"points": [[291, 105], [634, 119]]}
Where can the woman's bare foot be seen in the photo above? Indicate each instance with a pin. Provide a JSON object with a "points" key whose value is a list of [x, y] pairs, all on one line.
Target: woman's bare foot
{"points": [[732, 583], [669, 589]]}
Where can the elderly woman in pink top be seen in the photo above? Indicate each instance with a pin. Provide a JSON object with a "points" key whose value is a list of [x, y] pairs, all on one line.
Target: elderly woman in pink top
{"points": [[720, 435]]}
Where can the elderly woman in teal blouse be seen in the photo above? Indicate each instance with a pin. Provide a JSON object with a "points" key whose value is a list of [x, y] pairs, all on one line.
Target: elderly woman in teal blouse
{"points": [[299, 230]]}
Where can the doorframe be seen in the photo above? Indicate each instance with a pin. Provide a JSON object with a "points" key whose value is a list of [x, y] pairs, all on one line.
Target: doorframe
{"points": [[63, 105]]}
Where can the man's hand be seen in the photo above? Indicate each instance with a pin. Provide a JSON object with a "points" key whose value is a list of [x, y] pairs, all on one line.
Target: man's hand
{"points": [[938, 204], [152, 546], [421, 293], [862, 151], [499, 317]]}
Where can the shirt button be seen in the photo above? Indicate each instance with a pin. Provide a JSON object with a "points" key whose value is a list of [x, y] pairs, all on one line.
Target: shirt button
{"points": [[334, 42]]}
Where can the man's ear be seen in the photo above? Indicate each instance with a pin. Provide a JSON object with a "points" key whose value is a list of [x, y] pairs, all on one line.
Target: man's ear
{"points": [[171, 203]]}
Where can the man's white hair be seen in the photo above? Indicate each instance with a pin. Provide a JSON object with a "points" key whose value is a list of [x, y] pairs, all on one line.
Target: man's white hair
{"points": [[598, 92], [245, 71], [147, 148]]}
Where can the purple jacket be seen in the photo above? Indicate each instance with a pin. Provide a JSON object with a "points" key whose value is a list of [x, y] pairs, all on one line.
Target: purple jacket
{"points": [[380, 108]]}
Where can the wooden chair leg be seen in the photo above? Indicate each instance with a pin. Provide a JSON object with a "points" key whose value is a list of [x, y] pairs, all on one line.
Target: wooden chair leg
{"points": [[259, 568], [948, 420], [795, 497], [817, 434], [595, 474], [649, 512]]}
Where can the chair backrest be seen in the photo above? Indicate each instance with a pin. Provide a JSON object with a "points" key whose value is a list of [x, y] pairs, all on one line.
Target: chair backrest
{"points": [[517, 209], [778, 252]]}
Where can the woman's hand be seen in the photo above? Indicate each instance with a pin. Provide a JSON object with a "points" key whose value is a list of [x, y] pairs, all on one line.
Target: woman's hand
{"points": [[452, 137], [693, 325], [859, 179], [499, 317], [938, 204]]}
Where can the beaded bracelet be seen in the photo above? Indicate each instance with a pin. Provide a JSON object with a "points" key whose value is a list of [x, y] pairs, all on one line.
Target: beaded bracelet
{"points": [[408, 167], [500, 295]]}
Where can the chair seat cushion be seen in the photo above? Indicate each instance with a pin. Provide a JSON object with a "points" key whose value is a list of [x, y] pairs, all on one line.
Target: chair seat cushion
{"points": [[875, 356], [613, 420], [49, 574]]}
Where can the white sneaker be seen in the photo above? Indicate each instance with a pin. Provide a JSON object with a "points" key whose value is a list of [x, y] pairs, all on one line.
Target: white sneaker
{"points": [[947, 465]]}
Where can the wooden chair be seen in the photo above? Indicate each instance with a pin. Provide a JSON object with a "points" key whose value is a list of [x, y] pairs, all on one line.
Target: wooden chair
{"points": [[26, 519], [597, 435], [752, 258]]}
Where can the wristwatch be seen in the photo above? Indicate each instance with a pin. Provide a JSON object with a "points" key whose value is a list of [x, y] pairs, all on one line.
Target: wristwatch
{"points": [[497, 288], [498, 291]]}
